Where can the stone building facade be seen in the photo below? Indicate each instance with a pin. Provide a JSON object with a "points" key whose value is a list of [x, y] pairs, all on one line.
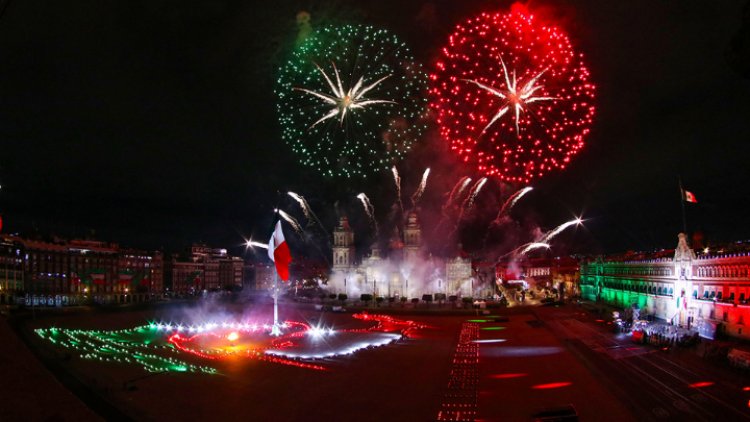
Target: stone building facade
{"points": [[67, 272], [686, 289], [406, 270]]}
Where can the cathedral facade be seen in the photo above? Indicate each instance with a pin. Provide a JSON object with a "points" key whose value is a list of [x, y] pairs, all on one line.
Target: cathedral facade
{"points": [[405, 271]]}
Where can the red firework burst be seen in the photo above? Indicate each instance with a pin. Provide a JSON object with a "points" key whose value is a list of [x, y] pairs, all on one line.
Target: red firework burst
{"points": [[512, 96]]}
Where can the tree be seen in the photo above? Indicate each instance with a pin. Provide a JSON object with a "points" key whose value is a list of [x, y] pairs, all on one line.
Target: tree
{"points": [[453, 300], [342, 298], [467, 301], [365, 297], [427, 298], [391, 300], [415, 301], [379, 300], [332, 296], [403, 301]]}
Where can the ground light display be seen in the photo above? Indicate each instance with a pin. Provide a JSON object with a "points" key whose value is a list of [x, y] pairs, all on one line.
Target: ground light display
{"points": [[167, 347], [513, 98], [351, 99]]}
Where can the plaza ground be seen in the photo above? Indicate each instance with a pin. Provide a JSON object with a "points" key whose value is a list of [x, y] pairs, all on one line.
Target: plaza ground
{"points": [[541, 357]]}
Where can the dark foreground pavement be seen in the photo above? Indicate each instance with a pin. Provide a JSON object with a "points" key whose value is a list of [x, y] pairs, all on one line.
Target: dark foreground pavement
{"points": [[29, 391], [538, 358]]}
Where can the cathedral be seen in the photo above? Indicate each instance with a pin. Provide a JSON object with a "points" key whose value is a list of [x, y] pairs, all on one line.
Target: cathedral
{"points": [[406, 271]]}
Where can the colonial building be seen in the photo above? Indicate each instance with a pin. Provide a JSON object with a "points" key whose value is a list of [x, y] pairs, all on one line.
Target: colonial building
{"points": [[203, 268], [561, 273], [706, 290], [264, 276], [406, 270], [66, 272], [11, 270]]}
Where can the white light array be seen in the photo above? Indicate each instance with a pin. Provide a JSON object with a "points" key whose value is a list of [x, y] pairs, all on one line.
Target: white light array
{"points": [[317, 332], [210, 326], [387, 338]]}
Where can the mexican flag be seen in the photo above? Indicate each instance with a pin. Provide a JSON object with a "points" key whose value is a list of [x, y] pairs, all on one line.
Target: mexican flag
{"points": [[688, 196], [279, 253]]}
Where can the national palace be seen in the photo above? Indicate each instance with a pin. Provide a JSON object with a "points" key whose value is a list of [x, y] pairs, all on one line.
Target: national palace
{"points": [[685, 289]]}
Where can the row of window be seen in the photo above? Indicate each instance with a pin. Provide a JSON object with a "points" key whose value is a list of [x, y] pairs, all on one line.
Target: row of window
{"points": [[644, 271], [640, 288], [723, 271], [718, 295]]}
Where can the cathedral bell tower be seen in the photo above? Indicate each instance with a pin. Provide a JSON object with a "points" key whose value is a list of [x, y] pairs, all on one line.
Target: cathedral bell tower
{"points": [[343, 246], [412, 238]]}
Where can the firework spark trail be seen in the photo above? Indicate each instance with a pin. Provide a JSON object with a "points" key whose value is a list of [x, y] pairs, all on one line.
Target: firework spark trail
{"points": [[507, 206], [460, 186], [455, 193], [302, 203], [291, 220], [511, 201], [307, 210], [420, 190], [397, 181], [525, 248], [534, 245], [253, 243], [469, 201], [557, 230], [475, 191], [369, 209]]}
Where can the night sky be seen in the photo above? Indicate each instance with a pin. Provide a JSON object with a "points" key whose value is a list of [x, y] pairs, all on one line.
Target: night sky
{"points": [[153, 123]]}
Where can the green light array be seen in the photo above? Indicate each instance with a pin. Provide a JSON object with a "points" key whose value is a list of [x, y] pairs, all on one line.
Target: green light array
{"points": [[137, 345]]}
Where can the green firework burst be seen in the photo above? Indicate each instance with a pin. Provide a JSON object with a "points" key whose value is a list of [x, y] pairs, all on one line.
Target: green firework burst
{"points": [[351, 100]]}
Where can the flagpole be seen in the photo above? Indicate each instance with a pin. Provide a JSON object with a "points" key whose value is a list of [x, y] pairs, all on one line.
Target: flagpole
{"points": [[276, 328], [682, 204]]}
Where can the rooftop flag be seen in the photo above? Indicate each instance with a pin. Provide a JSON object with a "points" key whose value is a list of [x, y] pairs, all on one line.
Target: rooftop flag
{"points": [[688, 196]]}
